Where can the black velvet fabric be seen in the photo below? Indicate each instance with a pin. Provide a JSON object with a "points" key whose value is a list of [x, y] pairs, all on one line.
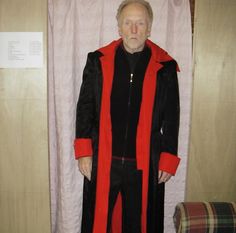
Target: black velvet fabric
{"points": [[164, 137], [87, 126], [89, 103]]}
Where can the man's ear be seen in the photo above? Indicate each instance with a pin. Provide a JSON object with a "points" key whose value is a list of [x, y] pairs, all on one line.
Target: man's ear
{"points": [[119, 31], [149, 31]]}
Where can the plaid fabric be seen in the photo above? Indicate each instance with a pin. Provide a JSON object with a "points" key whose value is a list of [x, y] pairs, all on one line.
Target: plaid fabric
{"points": [[205, 217]]}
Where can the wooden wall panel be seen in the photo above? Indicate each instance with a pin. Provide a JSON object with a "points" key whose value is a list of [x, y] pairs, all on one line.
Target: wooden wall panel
{"points": [[212, 155], [24, 169]]}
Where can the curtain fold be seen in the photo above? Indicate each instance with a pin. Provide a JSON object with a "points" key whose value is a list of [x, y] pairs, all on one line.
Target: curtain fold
{"points": [[76, 27]]}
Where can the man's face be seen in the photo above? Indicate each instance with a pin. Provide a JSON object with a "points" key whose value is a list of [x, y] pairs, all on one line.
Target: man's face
{"points": [[134, 27]]}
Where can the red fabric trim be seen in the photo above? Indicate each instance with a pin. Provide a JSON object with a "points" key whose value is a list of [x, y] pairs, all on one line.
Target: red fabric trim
{"points": [[83, 147], [168, 163], [105, 141], [144, 132]]}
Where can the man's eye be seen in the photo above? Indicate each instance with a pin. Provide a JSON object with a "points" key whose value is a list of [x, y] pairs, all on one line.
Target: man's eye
{"points": [[141, 23]]}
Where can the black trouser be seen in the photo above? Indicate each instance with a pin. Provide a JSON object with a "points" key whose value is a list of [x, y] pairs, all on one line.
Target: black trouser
{"points": [[127, 180]]}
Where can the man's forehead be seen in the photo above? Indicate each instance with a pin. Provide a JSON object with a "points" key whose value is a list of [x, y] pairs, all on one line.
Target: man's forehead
{"points": [[134, 11], [134, 8]]}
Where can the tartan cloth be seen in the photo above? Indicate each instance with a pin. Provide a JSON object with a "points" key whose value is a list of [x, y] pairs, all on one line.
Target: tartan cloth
{"points": [[205, 217]]}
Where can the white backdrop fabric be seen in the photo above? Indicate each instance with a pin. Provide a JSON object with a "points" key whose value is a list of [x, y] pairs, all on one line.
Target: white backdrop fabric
{"points": [[76, 27]]}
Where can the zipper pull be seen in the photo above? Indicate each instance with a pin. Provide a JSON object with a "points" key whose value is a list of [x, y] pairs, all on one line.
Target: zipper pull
{"points": [[123, 160], [131, 78]]}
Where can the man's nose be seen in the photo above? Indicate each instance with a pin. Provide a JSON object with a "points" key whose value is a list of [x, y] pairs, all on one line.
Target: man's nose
{"points": [[134, 28]]}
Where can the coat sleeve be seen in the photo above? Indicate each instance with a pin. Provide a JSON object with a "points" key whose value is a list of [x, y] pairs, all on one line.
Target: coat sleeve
{"points": [[85, 112], [169, 160]]}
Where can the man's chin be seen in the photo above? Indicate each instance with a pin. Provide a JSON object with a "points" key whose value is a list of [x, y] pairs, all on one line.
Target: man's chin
{"points": [[133, 47], [137, 48]]}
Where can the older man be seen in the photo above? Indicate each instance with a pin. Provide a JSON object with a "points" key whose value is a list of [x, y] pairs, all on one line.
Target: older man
{"points": [[127, 128]]}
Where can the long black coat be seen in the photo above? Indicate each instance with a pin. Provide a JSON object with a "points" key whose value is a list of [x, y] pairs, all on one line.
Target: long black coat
{"points": [[156, 143]]}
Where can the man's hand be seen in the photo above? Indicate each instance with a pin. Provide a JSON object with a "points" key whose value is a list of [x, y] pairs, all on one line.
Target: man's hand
{"points": [[163, 176], [85, 166]]}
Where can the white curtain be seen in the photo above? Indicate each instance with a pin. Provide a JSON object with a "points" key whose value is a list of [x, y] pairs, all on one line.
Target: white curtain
{"points": [[75, 28]]}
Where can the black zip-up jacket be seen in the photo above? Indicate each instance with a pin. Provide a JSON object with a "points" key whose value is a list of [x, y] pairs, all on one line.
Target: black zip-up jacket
{"points": [[126, 99]]}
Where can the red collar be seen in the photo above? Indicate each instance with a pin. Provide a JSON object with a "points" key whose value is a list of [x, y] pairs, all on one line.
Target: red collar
{"points": [[158, 54]]}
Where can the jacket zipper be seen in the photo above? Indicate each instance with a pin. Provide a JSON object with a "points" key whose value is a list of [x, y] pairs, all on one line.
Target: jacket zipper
{"points": [[128, 113]]}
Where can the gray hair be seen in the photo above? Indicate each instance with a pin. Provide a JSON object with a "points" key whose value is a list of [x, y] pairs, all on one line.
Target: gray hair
{"points": [[141, 2]]}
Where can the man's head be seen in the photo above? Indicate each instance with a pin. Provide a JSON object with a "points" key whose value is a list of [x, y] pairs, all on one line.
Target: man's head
{"points": [[134, 19]]}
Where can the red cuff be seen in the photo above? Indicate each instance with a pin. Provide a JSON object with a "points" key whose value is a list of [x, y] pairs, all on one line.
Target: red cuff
{"points": [[83, 147], [168, 162]]}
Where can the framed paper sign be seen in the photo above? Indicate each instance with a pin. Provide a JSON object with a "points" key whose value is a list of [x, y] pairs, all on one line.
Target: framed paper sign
{"points": [[21, 49]]}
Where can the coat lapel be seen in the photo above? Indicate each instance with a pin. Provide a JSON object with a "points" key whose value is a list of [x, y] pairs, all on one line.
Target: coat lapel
{"points": [[144, 131], [105, 140]]}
